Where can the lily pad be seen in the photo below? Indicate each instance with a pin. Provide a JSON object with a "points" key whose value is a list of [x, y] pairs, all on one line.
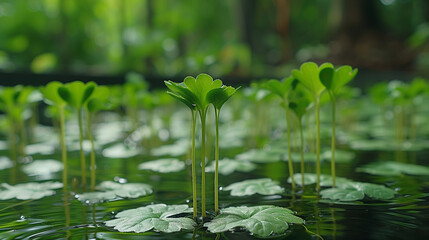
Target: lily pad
{"points": [[42, 167], [259, 220], [179, 148], [120, 150], [393, 169], [5, 162], [388, 145], [228, 166], [259, 156], [158, 217], [109, 190], [26, 191], [325, 180], [354, 191], [263, 186], [40, 148], [164, 165]]}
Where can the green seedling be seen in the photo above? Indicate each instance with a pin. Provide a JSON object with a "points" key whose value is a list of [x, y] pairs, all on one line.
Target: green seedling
{"points": [[76, 94], [200, 86], [218, 97], [334, 80], [183, 94], [134, 89], [52, 97], [97, 102], [282, 90], [308, 75], [299, 103]]}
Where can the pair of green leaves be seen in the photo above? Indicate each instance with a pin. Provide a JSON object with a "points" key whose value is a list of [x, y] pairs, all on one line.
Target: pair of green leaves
{"points": [[13, 100], [76, 94], [259, 220], [198, 93], [316, 79]]}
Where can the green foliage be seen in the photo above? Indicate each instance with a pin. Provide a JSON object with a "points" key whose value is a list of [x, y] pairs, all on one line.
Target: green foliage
{"points": [[51, 95], [200, 87], [183, 94], [335, 79], [42, 167], [158, 217], [354, 191], [30, 190], [14, 100], [308, 75], [262, 221], [76, 93], [219, 96], [98, 100], [393, 169], [278, 88], [263, 186], [164, 165]]}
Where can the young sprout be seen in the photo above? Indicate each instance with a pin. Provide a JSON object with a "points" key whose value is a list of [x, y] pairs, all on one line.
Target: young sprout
{"points": [[180, 92], [333, 80], [218, 97], [200, 86], [308, 75], [282, 90], [299, 101], [51, 97], [97, 102], [75, 94]]}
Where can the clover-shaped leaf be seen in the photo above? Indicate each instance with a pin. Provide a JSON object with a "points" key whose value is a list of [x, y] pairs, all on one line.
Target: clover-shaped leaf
{"points": [[259, 220], [76, 93], [263, 186], [200, 86], [228, 166], [50, 94], [394, 169], [281, 89], [183, 94], [354, 191], [219, 96], [159, 217], [334, 79], [308, 75], [98, 100]]}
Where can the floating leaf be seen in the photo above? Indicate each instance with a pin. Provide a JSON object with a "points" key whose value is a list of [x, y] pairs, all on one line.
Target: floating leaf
{"points": [[5, 162], [31, 190], [40, 148], [388, 145], [325, 180], [263, 186], [109, 190], [259, 220], [158, 217], [259, 156], [164, 165], [357, 190], [42, 167], [178, 148], [228, 166], [120, 150], [393, 169]]}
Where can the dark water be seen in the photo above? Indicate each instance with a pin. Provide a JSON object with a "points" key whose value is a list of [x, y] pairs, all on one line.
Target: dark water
{"points": [[63, 217]]}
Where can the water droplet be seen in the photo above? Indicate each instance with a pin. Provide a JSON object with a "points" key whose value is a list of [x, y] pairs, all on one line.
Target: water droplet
{"points": [[220, 188], [22, 218], [188, 201]]}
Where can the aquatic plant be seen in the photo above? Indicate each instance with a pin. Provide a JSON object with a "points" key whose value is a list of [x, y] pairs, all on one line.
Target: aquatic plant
{"points": [[334, 80], [76, 94]]}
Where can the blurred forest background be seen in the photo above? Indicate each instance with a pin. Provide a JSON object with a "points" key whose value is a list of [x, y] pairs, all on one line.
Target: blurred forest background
{"points": [[246, 39]]}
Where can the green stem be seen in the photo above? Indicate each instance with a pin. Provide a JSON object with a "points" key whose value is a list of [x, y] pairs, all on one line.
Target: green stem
{"points": [[92, 156], [194, 174], [63, 146], [288, 146], [216, 178], [301, 149], [203, 162], [82, 154], [317, 143], [23, 137], [333, 141], [12, 141]]}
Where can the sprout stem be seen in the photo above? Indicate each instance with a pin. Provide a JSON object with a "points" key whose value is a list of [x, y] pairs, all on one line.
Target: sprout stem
{"points": [[301, 149], [92, 156], [216, 178], [63, 146], [288, 146], [203, 114], [194, 174], [317, 106], [82, 154], [333, 141]]}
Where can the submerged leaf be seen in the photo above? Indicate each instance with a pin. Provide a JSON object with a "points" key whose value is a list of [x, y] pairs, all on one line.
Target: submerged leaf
{"points": [[260, 220], [164, 165], [158, 217], [263, 186], [228, 166], [109, 190], [5, 162], [31, 190], [393, 169]]}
